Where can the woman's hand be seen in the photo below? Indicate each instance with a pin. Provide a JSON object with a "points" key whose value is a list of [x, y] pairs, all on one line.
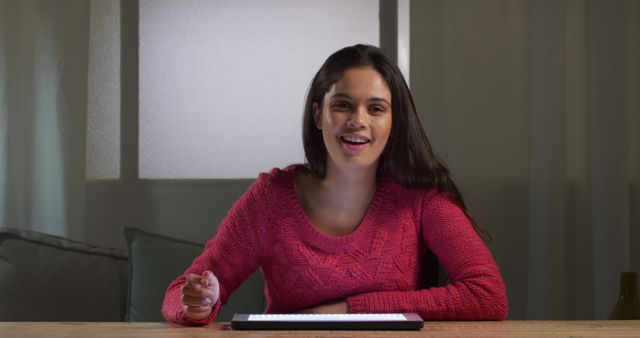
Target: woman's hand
{"points": [[337, 307], [199, 294]]}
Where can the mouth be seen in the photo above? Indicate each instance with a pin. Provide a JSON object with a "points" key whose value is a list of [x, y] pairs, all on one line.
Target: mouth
{"points": [[354, 144], [354, 139]]}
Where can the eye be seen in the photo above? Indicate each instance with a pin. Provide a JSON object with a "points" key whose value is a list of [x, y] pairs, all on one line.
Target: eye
{"points": [[341, 106], [376, 109]]}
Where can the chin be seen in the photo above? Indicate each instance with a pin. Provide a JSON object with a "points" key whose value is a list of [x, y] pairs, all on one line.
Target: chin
{"points": [[358, 165]]}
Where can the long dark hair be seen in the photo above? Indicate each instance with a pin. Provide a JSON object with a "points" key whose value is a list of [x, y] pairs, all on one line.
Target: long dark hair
{"points": [[408, 156]]}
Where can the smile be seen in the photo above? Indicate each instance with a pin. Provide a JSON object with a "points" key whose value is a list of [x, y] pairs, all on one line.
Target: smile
{"points": [[354, 139], [354, 144]]}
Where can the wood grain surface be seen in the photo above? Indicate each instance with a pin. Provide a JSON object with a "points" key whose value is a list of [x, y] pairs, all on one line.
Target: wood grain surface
{"points": [[603, 328]]}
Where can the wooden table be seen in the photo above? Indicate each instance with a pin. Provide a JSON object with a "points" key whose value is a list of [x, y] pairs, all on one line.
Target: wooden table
{"points": [[431, 329]]}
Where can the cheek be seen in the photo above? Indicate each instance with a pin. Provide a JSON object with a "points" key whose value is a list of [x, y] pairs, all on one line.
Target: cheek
{"points": [[327, 129], [332, 122], [384, 128]]}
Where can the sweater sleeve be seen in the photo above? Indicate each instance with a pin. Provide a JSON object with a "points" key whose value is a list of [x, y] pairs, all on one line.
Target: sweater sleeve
{"points": [[233, 254], [476, 291]]}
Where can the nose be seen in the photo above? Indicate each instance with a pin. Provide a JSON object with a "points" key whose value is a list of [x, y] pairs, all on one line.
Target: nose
{"points": [[357, 118]]}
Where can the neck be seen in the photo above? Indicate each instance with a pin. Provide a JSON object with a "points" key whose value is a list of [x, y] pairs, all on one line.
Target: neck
{"points": [[350, 185]]}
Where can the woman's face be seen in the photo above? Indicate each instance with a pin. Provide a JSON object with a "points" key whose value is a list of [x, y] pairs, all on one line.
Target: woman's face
{"points": [[355, 119]]}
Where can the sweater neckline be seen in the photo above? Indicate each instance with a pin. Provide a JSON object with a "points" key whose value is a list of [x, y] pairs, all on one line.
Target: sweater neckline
{"points": [[314, 234]]}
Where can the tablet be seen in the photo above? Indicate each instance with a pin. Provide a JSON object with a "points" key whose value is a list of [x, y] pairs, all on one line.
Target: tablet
{"points": [[312, 321]]}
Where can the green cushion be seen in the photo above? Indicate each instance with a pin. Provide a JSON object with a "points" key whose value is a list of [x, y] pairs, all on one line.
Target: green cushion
{"points": [[50, 278], [155, 260]]}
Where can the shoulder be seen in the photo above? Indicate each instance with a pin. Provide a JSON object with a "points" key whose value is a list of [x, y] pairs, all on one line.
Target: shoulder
{"points": [[433, 198], [413, 195], [439, 209], [275, 181], [276, 175], [426, 202], [265, 192]]}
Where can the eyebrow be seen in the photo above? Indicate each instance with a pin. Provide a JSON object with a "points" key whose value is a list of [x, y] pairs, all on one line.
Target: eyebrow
{"points": [[340, 95]]}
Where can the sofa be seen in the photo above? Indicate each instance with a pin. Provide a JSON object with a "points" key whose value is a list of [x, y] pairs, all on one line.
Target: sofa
{"points": [[51, 278]]}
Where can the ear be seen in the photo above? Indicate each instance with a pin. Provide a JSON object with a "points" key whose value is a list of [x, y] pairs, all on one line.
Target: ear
{"points": [[317, 115]]}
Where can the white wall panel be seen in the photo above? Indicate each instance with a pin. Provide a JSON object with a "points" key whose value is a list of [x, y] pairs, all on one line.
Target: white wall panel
{"points": [[222, 83], [103, 107]]}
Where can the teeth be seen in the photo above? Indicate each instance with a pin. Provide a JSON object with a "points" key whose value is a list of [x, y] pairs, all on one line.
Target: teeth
{"points": [[354, 139]]}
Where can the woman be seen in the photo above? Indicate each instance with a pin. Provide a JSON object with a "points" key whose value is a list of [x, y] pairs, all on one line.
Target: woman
{"points": [[349, 230]]}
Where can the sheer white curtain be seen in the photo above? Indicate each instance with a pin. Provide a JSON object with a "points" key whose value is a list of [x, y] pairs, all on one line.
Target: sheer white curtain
{"points": [[43, 90], [535, 107]]}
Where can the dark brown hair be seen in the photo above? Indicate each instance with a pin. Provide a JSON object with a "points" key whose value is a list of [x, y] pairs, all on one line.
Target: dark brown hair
{"points": [[408, 156]]}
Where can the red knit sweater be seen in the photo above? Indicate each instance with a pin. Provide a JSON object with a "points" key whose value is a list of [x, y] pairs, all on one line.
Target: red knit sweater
{"points": [[376, 268]]}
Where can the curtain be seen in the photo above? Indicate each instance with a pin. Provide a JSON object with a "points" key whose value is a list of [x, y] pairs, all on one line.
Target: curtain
{"points": [[534, 106], [43, 99]]}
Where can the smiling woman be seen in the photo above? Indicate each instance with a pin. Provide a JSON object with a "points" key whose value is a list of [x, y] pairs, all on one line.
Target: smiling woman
{"points": [[349, 230], [355, 119]]}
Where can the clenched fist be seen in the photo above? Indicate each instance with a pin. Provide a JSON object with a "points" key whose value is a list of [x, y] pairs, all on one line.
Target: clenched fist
{"points": [[199, 294]]}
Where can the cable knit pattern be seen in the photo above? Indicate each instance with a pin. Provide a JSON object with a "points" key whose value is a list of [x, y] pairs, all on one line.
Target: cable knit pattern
{"points": [[376, 268]]}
